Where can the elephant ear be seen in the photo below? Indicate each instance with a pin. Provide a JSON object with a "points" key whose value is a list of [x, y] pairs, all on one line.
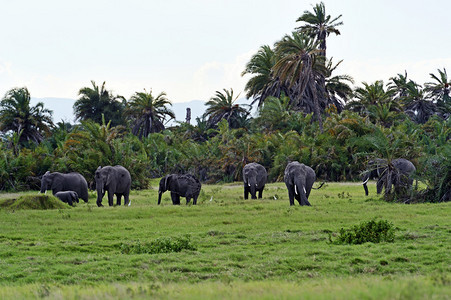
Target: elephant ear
{"points": [[167, 180], [109, 179]]}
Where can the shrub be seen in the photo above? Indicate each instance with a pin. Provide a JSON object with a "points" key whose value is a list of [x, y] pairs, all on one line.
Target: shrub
{"points": [[38, 201], [159, 245], [372, 231]]}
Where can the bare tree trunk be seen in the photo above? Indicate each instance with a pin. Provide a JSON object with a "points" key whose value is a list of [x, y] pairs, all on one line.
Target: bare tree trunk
{"points": [[316, 106], [188, 115]]}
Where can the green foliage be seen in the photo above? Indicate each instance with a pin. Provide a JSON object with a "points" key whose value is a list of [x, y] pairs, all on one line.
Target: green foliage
{"points": [[371, 231], [159, 245]]}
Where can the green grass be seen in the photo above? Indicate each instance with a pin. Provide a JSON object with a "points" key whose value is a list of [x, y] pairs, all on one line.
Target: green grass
{"points": [[238, 248]]}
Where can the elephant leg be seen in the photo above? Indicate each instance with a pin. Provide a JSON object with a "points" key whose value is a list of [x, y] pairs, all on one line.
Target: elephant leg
{"points": [[246, 192], [110, 198], [69, 201], [260, 194], [119, 197], [175, 198], [379, 186], [195, 199], [188, 199], [126, 199]]}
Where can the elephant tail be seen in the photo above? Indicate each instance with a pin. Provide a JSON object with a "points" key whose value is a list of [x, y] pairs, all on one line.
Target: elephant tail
{"points": [[319, 186]]}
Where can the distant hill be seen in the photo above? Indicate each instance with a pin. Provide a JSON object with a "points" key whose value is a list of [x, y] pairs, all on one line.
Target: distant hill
{"points": [[63, 109]]}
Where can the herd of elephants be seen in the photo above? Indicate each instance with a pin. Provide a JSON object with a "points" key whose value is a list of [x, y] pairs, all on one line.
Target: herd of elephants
{"points": [[299, 179]]}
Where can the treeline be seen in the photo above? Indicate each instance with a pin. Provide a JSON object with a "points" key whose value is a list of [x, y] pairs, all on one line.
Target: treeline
{"points": [[305, 113]]}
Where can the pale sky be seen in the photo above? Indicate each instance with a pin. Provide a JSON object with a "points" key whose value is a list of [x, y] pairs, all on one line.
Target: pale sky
{"points": [[190, 49]]}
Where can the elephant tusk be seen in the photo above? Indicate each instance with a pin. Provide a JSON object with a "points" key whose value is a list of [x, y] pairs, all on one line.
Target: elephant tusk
{"points": [[366, 180], [129, 202], [45, 192], [304, 190], [295, 190], [249, 185]]}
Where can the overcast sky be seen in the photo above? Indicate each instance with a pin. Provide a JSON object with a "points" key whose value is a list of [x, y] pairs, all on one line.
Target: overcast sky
{"points": [[190, 49]]}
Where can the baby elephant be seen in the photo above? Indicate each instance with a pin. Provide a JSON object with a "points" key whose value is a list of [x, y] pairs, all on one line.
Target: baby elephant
{"points": [[69, 197]]}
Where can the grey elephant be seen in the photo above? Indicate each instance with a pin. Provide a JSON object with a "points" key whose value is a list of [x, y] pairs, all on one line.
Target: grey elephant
{"points": [[299, 180], [58, 182], [399, 173], [114, 180], [69, 197], [186, 186], [254, 178]]}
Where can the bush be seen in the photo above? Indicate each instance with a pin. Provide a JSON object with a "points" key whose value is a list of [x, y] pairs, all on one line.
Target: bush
{"points": [[372, 231], [33, 202], [159, 245]]}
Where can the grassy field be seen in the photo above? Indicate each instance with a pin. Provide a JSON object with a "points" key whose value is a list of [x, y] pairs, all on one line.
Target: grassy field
{"points": [[242, 248]]}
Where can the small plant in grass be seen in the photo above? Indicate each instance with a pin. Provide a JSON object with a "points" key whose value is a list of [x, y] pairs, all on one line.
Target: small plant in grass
{"points": [[372, 231], [159, 245]]}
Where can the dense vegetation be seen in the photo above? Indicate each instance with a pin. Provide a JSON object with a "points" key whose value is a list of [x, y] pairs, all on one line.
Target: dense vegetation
{"points": [[305, 113]]}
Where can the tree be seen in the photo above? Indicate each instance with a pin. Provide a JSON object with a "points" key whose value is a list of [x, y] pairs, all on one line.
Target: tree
{"points": [[374, 101], [148, 112], [440, 91], [417, 105], [337, 88], [300, 66], [223, 106], [263, 84], [319, 25], [95, 102], [29, 123]]}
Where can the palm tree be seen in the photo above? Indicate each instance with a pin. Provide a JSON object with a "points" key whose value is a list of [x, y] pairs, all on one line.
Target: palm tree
{"points": [[29, 123], [440, 91], [222, 106], [369, 95], [95, 102], [319, 25], [338, 90], [417, 105], [263, 84], [300, 66], [149, 112], [398, 85], [274, 113]]}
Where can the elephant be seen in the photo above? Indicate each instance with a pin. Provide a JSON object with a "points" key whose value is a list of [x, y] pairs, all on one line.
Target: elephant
{"points": [[401, 175], [116, 180], [69, 197], [59, 182], [299, 180], [254, 178], [186, 186]]}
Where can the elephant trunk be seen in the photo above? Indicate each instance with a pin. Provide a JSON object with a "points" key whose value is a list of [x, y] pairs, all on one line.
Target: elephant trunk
{"points": [[100, 192], [299, 190], [365, 180], [159, 197], [253, 187]]}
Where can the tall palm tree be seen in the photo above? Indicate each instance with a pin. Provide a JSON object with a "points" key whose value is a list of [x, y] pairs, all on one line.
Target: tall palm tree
{"points": [[149, 112], [223, 106], [30, 123], [95, 102], [369, 95], [300, 66], [319, 25], [263, 84]]}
